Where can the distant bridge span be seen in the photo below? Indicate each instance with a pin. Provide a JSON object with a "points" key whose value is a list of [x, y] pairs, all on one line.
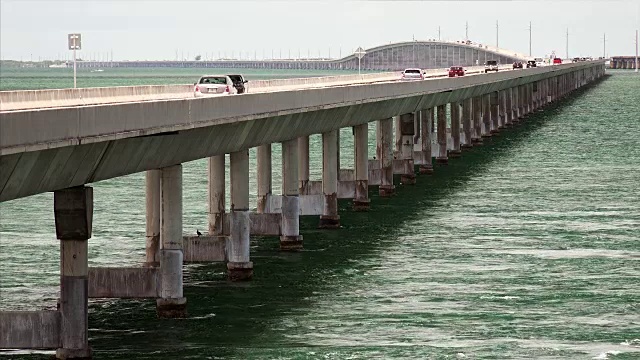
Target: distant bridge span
{"points": [[390, 57]]}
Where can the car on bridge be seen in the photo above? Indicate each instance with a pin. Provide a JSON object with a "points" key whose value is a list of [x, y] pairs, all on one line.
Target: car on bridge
{"points": [[539, 62], [491, 65], [412, 74], [214, 85], [240, 83], [456, 71], [517, 65], [557, 61], [532, 64]]}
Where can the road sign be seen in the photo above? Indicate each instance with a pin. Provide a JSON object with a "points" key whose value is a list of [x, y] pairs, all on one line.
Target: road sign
{"points": [[360, 52], [75, 41]]}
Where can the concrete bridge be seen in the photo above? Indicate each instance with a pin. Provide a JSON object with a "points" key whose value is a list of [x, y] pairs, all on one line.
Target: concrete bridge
{"points": [[623, 62], [62, 144], [397, 56]]}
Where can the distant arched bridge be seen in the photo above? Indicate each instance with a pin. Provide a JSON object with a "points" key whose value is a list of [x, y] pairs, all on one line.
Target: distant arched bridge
{"points": [[390, 57]]}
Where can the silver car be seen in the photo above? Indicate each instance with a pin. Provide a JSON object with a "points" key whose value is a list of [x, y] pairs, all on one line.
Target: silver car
{"points": [[214, 85], [412, 74]]}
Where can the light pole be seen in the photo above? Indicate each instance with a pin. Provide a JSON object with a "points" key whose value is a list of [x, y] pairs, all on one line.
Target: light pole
{"points": [[75, 41]]}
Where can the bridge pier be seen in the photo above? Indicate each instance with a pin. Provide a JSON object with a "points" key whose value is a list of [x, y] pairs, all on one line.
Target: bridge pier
{"points": [[442, 135], [216, 188], [384, 152], [406, 132], [494, 98], [486, 115], [264, 177], [361, 149], [290, 238], [330, 167], [467, 115], [73, 209], [508, 107], [521, 102], [152, 194], [172, 303], [455, 130], [239, 266], [424, 156], [502, 109], [476, 138], [303, 165]]}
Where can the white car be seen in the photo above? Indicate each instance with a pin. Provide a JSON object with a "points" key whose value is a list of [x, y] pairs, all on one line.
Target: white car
{"points": [[412, 74], [491, 65], [214, 85], [539, 62]]}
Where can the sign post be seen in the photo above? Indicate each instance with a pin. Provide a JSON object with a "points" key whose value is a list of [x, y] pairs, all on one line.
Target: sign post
{"points": [[75, 41], [360, 54]]}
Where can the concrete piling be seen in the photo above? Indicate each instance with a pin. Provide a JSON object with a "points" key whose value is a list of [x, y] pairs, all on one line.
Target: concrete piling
{"points": [[330, 218], [361, 143], [172, 303], [73, 210], [152, 195], [467, 116], [216, 189], [407, 132], [239, 266], [476, 136], [494, 99], [426, 132], [264, 177], [303, 165], [486, 115], [290, 238], [455, 130], [442, 135], [384, 152]]}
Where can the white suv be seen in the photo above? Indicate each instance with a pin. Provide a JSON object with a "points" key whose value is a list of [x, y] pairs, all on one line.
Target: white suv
{"points": [[491, 65], [412, 74]]}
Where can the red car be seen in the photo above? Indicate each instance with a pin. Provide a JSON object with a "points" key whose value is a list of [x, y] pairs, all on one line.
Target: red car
{"points": [[557, 61], [456, 71]]}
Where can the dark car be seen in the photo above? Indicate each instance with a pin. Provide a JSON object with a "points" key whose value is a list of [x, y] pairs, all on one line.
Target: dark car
{"points": [[239, 83], [531, 63], [456, 71], [517, 65]]}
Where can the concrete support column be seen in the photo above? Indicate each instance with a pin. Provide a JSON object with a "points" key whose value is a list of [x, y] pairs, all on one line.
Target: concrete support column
{"points": [[530, 98], [508, 106], [265, 184], [426, 130], [442, 135], [239, 266], [290, 238], [397, 126], [73, 210], [502, 109], [152, 194], [467, 115], [361, 143], [486, 115], [455, 129], [516, 105], [216, 194], [330, 218], [495, 112], [171, 303], [407, 133], [384, 152], [521, 101], [476, 136], [303, 165]]}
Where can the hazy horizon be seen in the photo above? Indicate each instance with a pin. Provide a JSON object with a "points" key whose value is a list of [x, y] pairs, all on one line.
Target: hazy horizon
{"points": [[166, 30]]}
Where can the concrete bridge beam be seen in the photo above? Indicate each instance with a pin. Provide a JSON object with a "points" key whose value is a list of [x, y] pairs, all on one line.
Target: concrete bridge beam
{"points": [[239, 266], [384, 152], [330, 218], [442, 135], [361, 143], [290, 238], [172, 303], [455, 130]]}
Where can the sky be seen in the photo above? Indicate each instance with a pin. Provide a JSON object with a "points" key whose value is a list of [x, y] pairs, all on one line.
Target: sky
{"points": [[172, 29]]}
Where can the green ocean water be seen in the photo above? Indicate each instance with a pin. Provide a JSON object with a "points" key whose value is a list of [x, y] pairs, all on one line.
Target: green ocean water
{"points": [[525, 248]]}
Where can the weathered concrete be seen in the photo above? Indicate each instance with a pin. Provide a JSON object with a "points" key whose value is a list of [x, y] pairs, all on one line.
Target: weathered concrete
{"points": [[73, 210], [216, 191], [172, 303], [152, 194], [476, 137], [406, 132], [467, 121], [423, 156], [361, 149], [29, 329], [330, 218], [290, 239], [239, 266], [455, 130], [114, 282], [264, 176], [486, 115], [205, 248], [384, 152], [494, 101], [303, 164], [442, 135]]}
